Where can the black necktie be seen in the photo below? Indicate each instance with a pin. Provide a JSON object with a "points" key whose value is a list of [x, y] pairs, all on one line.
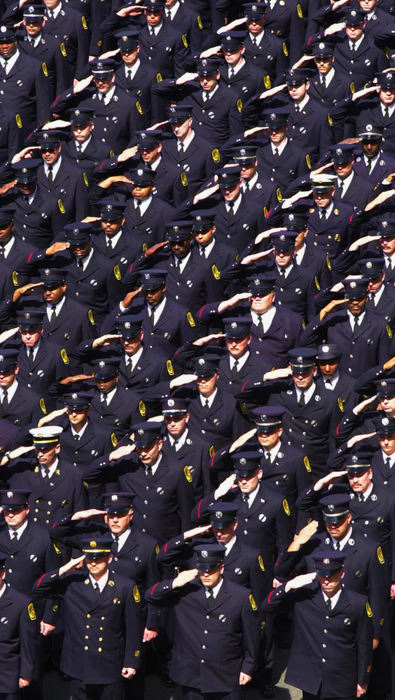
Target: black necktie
{"points": [[230, 209], [77, 437], [276, 154], [96, 588], [148, 472], [323, 214], [152, 31], [328, 604], [206, 404], [80, 265], [31, 355], [129, 367], [340, 189], [210, 597], [52, 317], [356, 324], [168, 14], [104, 401], [115, 546], [50, 174], [138, 212], [152, 316], [388, 462], [302, 400], [231, 73], [1, 251], [181, 149], [268, 457], [297, 108], [4, 401], [259, 325], [235, 369], [253, 41], [386, 112], [50, 14], [109, 244], [323, 81], [244, 497], [46, 478], [14, 540]]}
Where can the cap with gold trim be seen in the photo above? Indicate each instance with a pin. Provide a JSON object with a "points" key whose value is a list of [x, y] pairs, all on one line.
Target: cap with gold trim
{"points": [[46, 436]]}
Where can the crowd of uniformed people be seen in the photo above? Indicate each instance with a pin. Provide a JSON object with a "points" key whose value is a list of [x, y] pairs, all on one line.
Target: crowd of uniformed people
{"points": [[197, 355]]}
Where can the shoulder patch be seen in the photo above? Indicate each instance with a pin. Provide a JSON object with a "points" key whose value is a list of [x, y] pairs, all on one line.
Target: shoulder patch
{"points": [[216, 272], [239, 104], [64, 356], [380, 555], [31, 611], [91, 317], [285, 48], [136, 594], [142, 408], [252, 602], [211, 451], [56, 547], [299, 10], [157, 549], [199, 22], [286, 507], [159, 78], [15, 278], [191, 320], [317, 284], [114, 439], [340, 404], [260, 562], [62, 47], [61, 206], [184, 40], [215, 155], [84, 22], [188, 474], [18, 121], [139, 107], [85, 179], [279, 195], [43, 406], [330, 120], [183, 178], [369, 610], [267, 82], [308, 161], [352, 88], [170, 368], [389, 330], [306, 463], [117, 272], [44, 69], [328, 262]]}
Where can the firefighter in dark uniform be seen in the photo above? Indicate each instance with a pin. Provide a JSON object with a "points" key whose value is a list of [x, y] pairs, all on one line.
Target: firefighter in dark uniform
{"points": [[331, 653], [216, 628], [19, 638], [84, 148], [103, 622], [18, 404], [55, 487]]}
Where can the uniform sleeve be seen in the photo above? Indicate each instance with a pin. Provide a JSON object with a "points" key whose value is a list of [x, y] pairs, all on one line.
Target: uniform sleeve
{"points": [[364, 641], [28, 633], [250, 620], [134, 625]]}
